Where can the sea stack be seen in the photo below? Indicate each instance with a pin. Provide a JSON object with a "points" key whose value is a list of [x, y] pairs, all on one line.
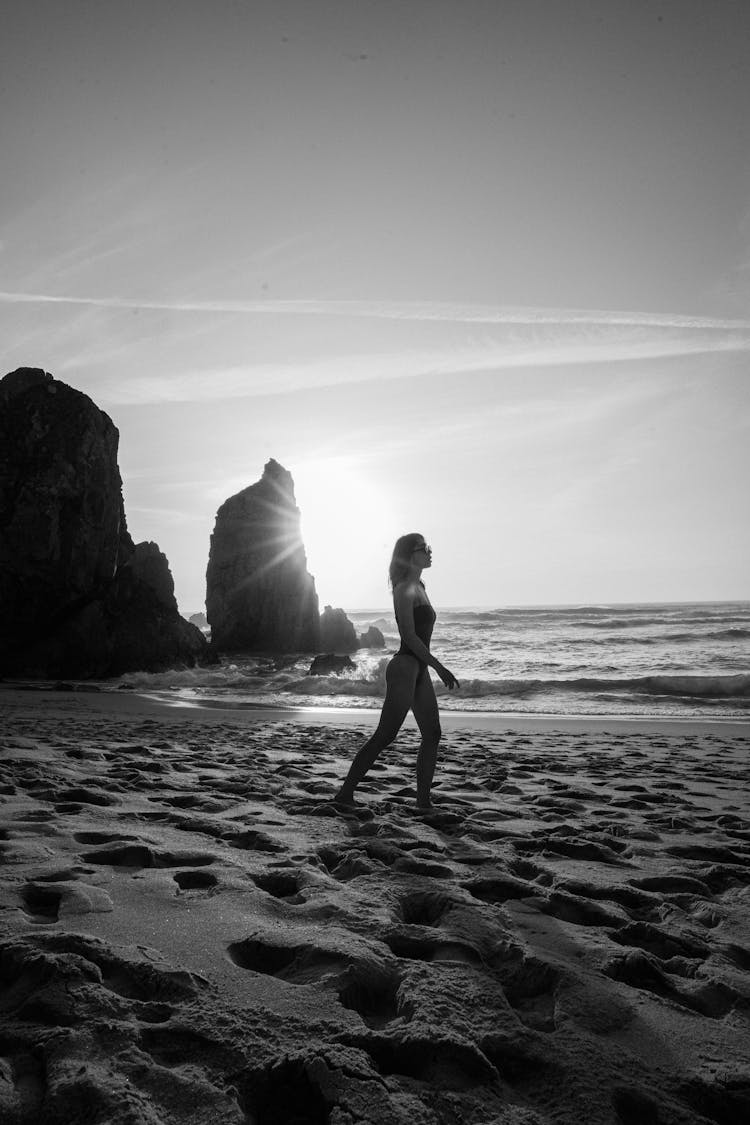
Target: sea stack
{"points": [[77, 597], [336, 631], [259, 595]]}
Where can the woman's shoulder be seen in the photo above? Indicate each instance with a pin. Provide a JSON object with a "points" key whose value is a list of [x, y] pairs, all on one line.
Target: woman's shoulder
{"points": [[406, 590], [411, 591]]}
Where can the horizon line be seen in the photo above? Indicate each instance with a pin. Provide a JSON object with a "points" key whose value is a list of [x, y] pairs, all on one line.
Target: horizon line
{"points": [[548, 605]]}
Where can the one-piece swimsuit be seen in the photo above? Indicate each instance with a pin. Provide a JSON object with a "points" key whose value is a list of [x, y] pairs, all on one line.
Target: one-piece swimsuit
{"points": [[424, 622]]}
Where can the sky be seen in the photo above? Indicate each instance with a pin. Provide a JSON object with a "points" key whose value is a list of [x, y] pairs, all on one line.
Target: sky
{"points": [[474, 268]]}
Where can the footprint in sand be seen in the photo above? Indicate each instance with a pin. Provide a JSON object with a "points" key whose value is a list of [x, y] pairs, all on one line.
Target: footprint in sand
{"points": [[650, 974], [496, 889], [284, 1091], [425, 907], [84, 796], [283, 885], [438, 1065], [46, 902], [529, 985], [252, 840], [25, 1088], [576, 909], [140, 855], [660, 942], [708, 853], [362, 977], [130, 978], [102, 837], [418, 943], [41, 904], [638, 905], [195, 880]]}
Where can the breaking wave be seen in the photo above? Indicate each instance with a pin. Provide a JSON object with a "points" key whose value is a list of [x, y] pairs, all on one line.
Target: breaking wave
{"points": [[688, 687], [661, 659]]}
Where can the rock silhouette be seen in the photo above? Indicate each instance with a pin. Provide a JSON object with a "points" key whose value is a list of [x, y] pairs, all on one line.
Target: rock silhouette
{"points": [[77, 597], [372, 638], [336, 631], [329, 664], [259, 595]]}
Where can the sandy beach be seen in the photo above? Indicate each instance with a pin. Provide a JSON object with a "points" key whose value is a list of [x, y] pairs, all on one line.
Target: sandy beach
{"points": [[191, 933]]}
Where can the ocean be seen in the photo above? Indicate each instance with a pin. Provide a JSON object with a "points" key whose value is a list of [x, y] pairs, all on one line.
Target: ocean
{"points": [[668, 660]]}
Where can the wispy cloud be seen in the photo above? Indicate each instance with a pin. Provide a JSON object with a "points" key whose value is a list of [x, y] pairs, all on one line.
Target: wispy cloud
{"points": [[436, 311], [254, 380], [454, 340]]}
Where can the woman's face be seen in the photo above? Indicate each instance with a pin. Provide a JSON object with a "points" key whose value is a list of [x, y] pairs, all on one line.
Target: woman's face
{"points": [[422, 554]]}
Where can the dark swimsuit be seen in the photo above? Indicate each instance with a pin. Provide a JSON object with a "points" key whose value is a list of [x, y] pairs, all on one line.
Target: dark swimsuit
{"points": [[424, 620]]}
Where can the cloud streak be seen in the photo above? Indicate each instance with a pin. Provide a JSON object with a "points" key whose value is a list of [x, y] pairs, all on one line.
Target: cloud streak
{"points": [[269, 379], [441, 312], [483, 339]]}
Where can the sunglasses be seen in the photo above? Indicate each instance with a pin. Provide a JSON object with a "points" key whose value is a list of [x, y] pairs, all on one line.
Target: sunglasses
{"points": [[423, 547]]}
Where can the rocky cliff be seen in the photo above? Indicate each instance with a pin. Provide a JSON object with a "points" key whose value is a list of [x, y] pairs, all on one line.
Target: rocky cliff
{"points": [[259, 596], [77, 598]]}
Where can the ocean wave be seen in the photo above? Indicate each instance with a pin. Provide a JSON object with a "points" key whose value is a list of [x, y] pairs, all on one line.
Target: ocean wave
{"points": [[333, 685], [735, 687], [617, 617], [352, 683], [702, 688], [663, 639]]}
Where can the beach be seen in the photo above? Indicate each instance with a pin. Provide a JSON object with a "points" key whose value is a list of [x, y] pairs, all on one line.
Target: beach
{"points": [[190, 932]]}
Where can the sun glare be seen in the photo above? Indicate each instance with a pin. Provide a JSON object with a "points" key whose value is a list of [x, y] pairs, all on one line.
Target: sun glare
{"points": [[346, 531]]}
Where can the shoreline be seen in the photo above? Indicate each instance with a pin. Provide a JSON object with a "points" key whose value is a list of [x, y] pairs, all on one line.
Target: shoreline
{"points": [[19, 697]]}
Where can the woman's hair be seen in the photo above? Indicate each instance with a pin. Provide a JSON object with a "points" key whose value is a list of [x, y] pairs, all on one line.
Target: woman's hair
{"points": [[401, 557]]}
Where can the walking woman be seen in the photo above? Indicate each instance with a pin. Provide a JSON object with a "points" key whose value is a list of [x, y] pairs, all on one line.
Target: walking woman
{"points": [[408, 683]]}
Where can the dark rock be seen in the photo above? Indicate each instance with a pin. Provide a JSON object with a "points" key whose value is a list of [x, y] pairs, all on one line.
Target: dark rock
{"points": [[130, 626], [77, 598], [259, 596], [62, 522], [329, 664], [336, 631], [150, 566], [372, 638]]}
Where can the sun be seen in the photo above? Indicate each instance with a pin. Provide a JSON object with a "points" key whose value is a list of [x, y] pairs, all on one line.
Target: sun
{"points": [[346, 531]]}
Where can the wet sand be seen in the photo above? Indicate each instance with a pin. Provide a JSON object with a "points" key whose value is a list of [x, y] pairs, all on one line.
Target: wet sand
{"points": [[191, 932]]}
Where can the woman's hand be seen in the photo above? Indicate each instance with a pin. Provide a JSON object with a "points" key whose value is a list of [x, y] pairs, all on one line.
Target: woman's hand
{"points": [[447, 677]]}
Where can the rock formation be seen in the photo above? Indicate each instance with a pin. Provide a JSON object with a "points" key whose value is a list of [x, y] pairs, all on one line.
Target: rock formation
{"points": [[336, 631], [77, 598], [329, 664], [259, 596], [372, 638]]}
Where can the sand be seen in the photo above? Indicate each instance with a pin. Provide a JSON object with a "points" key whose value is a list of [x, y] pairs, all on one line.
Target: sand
{"points": [[191, 933]]}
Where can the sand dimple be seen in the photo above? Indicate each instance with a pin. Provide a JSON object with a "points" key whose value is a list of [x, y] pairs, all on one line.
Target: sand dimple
{"points": [[186, 920]]}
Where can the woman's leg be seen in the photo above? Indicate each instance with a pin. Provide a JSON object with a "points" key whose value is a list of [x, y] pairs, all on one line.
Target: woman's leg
{"points": [[426, 713], [400, 678]]}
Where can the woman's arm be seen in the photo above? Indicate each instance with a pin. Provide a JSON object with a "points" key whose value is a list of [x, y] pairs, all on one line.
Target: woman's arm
{"points": [[404, 599]]}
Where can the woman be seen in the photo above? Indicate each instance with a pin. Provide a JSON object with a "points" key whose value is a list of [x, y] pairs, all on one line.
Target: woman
{"points": [[408, 683]]}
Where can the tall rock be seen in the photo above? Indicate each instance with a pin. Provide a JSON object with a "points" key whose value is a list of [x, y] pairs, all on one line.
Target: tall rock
{"points": [[336, 631], [259, 596], [62, 522], [77, 598]]}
